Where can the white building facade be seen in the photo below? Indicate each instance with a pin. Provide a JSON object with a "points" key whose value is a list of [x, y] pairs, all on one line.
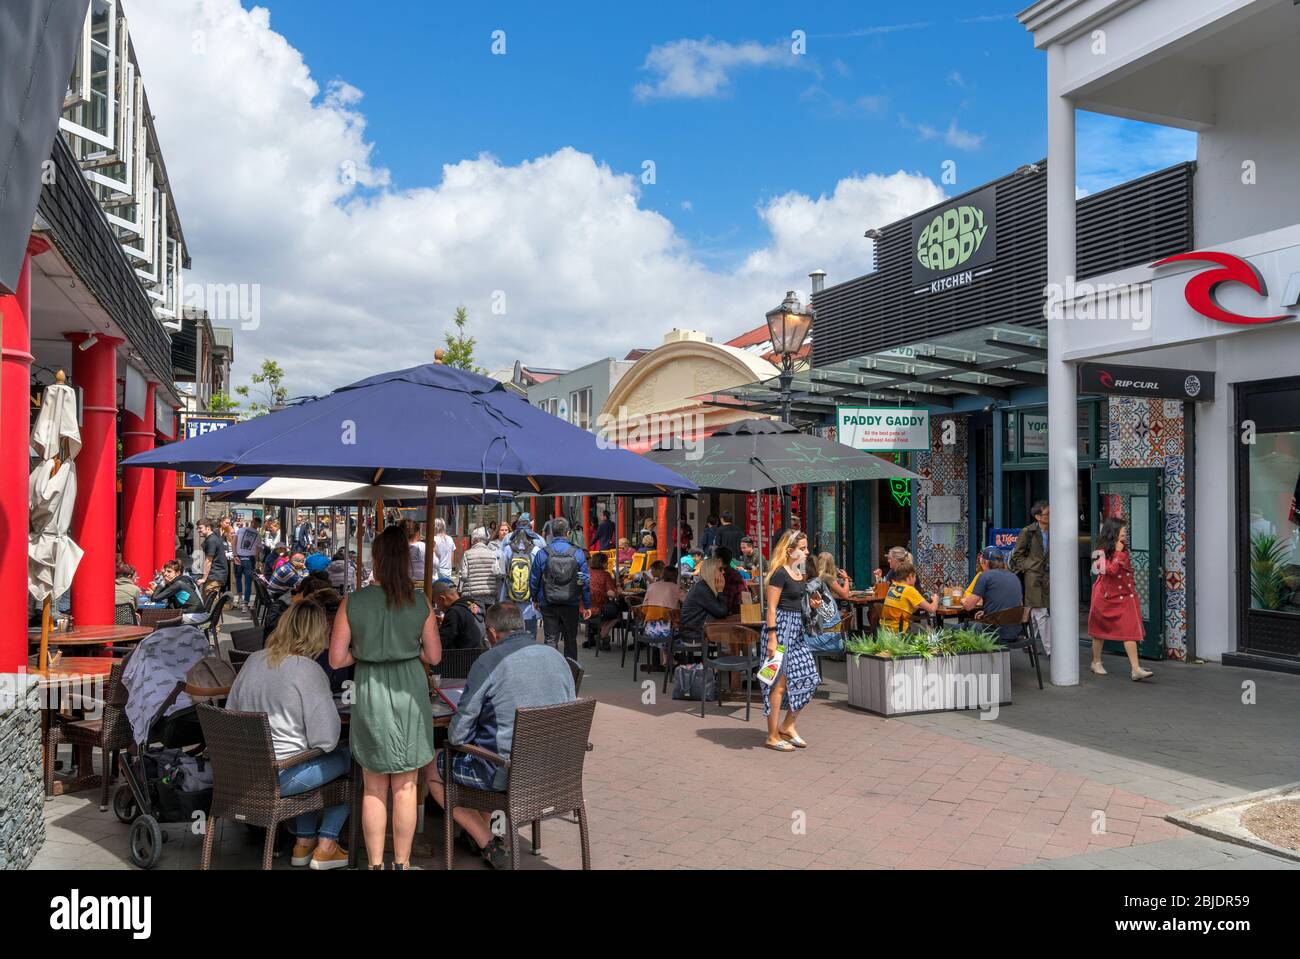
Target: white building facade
{"points": [[1198, 358]]}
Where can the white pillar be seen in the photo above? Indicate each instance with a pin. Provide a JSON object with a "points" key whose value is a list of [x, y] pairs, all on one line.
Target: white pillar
{"points": [[1062, 399]]}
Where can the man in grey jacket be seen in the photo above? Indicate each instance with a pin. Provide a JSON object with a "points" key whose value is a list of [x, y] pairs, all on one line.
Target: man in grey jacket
{"points": [[480, 571], [516, 672]]}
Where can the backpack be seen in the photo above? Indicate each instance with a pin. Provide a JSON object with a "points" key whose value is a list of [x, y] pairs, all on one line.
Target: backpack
{"points": [[560, 583], [517, 576], [827, 615]]}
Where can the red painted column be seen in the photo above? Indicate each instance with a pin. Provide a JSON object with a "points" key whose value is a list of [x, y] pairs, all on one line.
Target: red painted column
{"points": [[94, 517], [532, 511], [621, 521], [663, 535], [164, 513], [137, 489], [15, 432], [588, 527]]}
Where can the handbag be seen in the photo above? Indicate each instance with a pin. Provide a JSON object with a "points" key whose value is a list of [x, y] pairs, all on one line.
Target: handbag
{"points": [[694, 682]]}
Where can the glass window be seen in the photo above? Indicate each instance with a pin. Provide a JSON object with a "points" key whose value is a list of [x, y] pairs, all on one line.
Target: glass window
{"points": [[580, 408], [1274, 520], [1084, 422], [1012, 440]]}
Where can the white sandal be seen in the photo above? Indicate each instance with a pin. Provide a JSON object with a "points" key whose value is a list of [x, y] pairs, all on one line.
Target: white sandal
{"points": [[1099, 669]]}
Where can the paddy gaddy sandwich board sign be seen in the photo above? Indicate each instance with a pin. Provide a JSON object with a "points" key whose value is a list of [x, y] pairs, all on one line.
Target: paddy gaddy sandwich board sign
{"points": [[886, 429]]}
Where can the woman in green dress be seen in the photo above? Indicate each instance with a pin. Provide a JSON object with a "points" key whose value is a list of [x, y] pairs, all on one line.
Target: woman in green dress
{"points": [[389, 631]]}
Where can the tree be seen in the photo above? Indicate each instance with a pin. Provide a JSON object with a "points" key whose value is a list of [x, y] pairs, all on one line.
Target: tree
{"points": [[265, 390], [459, 351], [223, 403]]}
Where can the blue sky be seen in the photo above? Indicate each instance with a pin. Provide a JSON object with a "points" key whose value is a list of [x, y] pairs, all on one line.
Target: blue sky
{"points": [[371, 167], [881, 87]]}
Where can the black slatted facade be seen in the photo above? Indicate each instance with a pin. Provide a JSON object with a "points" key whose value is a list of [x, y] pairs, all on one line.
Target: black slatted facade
{"points": [[1136, 222]]}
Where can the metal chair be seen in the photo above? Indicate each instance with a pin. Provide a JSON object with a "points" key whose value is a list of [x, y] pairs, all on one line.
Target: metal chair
{"points": [[575, 667], [643, 615], [262, 601], [212, 628], [1028, 639], [246, 781], [718, 634], [625, 626], [544, 776]]}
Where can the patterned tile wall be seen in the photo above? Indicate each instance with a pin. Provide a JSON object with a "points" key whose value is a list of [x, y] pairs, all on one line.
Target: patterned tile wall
{"points": [[943, 473], [1147, 433]]}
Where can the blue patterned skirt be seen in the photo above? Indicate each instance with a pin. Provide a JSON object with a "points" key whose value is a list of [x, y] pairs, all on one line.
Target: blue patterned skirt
{"points": [[798, 665]]}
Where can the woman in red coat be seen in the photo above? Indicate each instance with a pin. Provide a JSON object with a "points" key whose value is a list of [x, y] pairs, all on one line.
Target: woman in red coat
{"points": [[1115, 614]]}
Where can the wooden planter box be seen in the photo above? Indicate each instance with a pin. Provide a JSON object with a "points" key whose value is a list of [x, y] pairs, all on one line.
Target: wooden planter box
{"points": [[907, 685]]}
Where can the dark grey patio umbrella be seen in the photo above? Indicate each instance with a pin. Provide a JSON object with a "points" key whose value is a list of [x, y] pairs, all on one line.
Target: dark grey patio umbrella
{"points": [[756, 455]]}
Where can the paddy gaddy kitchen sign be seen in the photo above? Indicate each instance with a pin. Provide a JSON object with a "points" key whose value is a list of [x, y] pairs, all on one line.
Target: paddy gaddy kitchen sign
{"points": [[948, 245], [887, 429]]}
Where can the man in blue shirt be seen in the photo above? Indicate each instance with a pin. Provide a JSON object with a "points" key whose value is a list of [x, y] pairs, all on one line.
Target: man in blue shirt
{"points": [[561, 588]]}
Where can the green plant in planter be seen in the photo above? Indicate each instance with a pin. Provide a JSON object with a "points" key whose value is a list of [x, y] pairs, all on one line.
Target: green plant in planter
{"points": [[1268, 582], [973, 640]]}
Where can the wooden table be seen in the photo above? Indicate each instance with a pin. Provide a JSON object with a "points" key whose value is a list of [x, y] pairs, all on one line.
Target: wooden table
{"points": [[861, 603], [92, 636]]}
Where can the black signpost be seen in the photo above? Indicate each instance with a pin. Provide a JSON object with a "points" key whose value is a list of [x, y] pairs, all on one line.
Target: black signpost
{"points": [[1107, 379]]}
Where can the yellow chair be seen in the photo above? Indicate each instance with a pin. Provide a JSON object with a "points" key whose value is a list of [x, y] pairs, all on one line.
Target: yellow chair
{"points": [[639, 562]]}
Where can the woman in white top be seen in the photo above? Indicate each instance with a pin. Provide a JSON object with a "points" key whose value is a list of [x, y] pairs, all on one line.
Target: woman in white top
{"points": [[416, 546], [444, 548], [285, 682]]}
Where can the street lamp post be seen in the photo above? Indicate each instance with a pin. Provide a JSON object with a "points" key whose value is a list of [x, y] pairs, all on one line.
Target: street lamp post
{"points": [[788, 325]]}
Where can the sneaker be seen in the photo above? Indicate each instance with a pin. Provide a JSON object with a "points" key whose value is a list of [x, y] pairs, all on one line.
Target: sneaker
{"points": [[496, 854], [302, 852], [330, 860]]}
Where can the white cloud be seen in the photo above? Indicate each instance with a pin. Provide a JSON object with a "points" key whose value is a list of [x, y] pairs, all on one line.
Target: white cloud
{"points": [[954, 136], [697, 69], [275, 184]]}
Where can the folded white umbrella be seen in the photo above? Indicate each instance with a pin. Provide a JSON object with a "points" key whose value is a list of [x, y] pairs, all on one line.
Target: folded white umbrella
{"points": [[52, 556]]}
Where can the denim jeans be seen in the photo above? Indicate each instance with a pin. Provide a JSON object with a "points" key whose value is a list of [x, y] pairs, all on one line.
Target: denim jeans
{"points": [[309, 775], [244, 576]]}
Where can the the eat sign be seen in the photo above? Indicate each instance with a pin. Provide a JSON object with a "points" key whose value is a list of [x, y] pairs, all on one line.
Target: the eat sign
{"points": [[1202, 287]]}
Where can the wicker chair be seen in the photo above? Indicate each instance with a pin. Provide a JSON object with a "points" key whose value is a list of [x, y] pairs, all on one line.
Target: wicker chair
{"points": [[246, 782], [544, 776], [731, 636], [160, 618], [456, 663], [110, 734], [124, 614], [244, 643], [262, 601]]}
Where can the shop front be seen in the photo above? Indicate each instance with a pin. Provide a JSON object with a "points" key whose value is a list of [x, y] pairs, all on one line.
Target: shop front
{"points": [[1203, 406], [940, 354]]}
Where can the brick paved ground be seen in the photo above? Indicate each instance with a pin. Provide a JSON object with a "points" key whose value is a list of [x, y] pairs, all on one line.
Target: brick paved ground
{"points": [[666, 789]]}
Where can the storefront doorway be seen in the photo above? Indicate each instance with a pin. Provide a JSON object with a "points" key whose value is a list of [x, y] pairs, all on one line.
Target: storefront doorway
{"points": [[1134, 495], [1268, 520]]}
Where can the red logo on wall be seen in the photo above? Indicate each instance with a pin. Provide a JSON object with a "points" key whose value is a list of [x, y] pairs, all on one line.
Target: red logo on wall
{"points": [[1107, 379], [1201, 288]]}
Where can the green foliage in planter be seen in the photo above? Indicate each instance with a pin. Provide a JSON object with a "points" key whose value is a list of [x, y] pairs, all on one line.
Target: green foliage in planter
{"points": [[926, 644], [1268, 586]]}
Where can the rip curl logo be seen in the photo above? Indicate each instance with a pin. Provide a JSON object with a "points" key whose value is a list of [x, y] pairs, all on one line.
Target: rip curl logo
{"points": [[1202, 289]]}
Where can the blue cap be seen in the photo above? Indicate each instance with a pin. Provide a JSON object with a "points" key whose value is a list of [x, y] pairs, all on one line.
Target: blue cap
{"points": [[991, 553]]}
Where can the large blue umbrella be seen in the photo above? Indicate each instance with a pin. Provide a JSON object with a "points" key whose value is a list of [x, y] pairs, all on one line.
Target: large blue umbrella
{"points": [[300, 492], [394, 428]]}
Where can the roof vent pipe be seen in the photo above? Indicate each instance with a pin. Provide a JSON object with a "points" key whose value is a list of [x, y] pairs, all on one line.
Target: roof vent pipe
{"points": [[818, 278]]}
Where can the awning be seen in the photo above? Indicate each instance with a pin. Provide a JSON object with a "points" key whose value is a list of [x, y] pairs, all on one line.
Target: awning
{"points": [[987, 361]]}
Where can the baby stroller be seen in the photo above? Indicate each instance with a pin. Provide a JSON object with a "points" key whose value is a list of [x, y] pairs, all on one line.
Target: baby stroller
{"points": [[167, 778]]}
